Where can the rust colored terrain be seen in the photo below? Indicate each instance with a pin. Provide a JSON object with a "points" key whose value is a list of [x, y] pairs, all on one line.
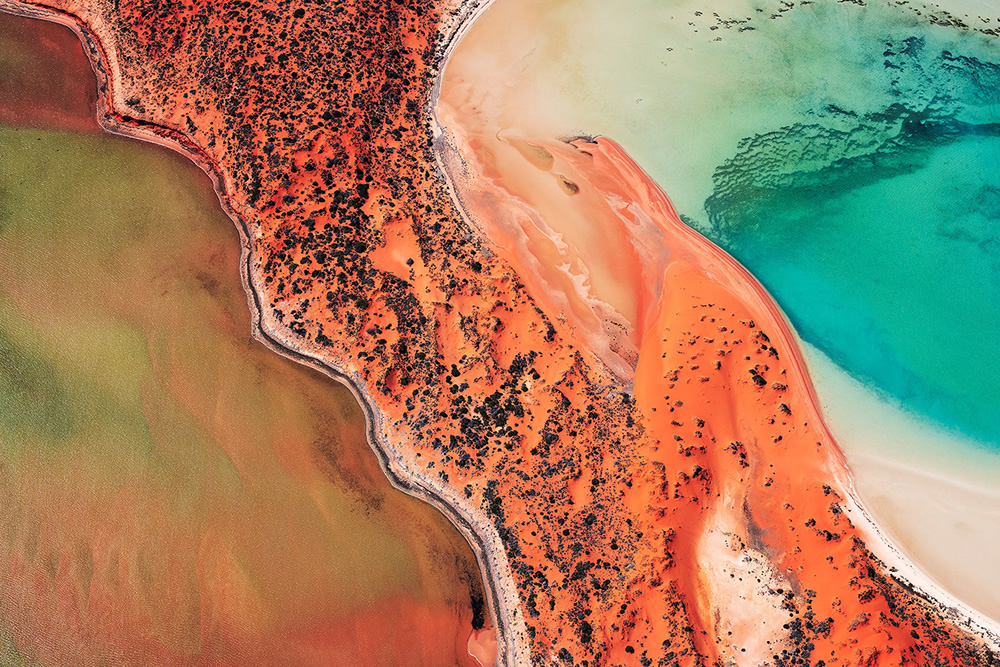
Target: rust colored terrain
{"points": [[311, 558], [613, 526]]}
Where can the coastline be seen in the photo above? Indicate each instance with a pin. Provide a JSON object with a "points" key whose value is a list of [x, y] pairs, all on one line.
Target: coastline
{"points": [[878, 538], [270, 333], [911, 482], [882, 541], [895, 548], [484, 543], [728, 271]]}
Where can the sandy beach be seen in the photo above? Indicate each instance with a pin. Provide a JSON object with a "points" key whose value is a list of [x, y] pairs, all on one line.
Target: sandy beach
{"points": [[639, 478], [572, 163], [937, 502], [936, 517]]}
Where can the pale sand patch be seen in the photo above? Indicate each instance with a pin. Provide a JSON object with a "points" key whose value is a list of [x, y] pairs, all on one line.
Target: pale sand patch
{"points": [[934, 493], [972, 11], [651, 75]]}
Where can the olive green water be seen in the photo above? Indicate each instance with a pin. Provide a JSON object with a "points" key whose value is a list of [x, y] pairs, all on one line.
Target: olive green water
{"points": [[170, 489]]}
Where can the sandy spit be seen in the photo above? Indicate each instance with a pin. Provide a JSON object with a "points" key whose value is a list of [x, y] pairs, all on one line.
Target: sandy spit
{"points": [[894, 555]]}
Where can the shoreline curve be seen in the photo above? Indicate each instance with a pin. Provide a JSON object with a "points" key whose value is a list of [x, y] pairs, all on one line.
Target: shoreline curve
{"points": [[111, 120], [906, 572]]}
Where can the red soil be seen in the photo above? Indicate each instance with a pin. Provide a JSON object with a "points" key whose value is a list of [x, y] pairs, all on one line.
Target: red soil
{"points": [[740, 479], [606, 531], [110, 573]]}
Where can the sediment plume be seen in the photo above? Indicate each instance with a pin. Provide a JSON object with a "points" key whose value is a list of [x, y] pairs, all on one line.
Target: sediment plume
{"points": [[633, 503]]}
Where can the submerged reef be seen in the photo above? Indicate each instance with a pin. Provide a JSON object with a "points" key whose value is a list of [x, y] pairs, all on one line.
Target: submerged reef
{"points": [[697, 513], [887, 163]]}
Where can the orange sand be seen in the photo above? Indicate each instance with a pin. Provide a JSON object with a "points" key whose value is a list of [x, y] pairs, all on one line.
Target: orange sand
{"points": [[607, 534], [742, 473], [263, 531]]}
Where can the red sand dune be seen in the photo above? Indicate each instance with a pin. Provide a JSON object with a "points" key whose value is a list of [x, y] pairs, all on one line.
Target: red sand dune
{"points": [[613, 528]]}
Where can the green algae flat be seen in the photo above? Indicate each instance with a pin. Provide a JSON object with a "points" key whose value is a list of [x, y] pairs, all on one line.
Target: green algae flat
{"points": [[171, 488]]}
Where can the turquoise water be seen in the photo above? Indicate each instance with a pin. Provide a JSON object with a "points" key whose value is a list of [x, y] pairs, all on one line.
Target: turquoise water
{"points": [[879, 234], [847, 153], [898, 281]]}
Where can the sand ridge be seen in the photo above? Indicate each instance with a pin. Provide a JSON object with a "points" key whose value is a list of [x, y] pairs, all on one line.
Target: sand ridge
{"points": [[587, 525], [698, 268]]}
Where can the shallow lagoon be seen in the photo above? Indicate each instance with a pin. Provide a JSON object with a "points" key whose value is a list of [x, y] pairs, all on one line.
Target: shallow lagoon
{"points": [[846, 154], [172, 491]]}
